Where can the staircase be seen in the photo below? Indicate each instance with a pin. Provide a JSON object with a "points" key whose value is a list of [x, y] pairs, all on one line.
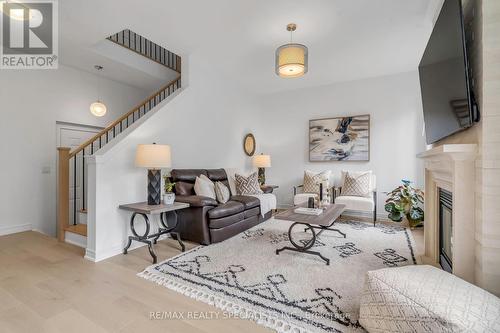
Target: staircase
{"points": [[72, 214]]}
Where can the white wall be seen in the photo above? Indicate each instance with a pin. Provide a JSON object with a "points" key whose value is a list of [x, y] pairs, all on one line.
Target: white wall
{"points": [[204, 125], [395, 107], [31, 103]]}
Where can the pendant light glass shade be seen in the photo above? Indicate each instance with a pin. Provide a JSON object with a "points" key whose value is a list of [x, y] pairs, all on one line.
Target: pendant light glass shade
{"points": [[98, 109], [291, 60]]}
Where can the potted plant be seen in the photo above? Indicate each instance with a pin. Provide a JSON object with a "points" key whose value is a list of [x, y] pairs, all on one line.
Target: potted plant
{"points": [[405, 201], [169, 196]]}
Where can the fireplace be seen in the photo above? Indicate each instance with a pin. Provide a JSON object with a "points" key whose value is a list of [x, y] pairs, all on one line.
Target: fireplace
{"points": [[446, 230]]}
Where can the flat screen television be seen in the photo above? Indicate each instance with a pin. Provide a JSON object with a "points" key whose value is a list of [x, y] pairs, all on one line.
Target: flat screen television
{"points": [[448, 101]]}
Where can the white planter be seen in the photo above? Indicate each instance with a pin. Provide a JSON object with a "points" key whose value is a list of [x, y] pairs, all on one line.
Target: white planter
{"points": [[168, 198]]}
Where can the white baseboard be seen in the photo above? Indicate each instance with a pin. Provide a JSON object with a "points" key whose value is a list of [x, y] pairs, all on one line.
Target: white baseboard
{"points": [[115, 250], [15, 229], [75, 239]]}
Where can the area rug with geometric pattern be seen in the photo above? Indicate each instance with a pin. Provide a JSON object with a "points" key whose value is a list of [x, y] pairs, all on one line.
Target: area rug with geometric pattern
{"points": [[289, 292]]}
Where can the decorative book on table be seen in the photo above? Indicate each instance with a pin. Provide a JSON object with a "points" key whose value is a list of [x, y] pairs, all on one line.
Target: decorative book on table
{"points": [[308, 211]]}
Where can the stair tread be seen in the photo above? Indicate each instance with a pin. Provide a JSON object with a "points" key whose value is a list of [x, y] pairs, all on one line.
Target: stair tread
{"points": [[80, 229]]}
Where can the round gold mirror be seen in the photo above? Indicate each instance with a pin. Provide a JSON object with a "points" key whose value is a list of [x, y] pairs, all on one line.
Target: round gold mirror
{"points": [[249, 144]]}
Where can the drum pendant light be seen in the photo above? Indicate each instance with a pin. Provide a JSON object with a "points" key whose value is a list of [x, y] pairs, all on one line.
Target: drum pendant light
{"points": [[291, 58]]}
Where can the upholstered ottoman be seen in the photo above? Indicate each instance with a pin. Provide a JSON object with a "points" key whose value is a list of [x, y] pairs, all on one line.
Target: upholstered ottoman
{"points": [[425, 299]]}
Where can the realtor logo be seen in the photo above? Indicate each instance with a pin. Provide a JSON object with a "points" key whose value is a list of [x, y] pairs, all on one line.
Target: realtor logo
{"points": [[29, 34]]}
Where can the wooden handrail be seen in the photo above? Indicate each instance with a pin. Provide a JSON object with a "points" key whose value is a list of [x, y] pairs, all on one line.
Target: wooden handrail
{"points": [[63, 192], [122, 118]]}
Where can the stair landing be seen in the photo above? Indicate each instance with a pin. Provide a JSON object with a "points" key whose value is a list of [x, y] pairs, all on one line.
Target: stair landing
{"points": [[80, 229]]}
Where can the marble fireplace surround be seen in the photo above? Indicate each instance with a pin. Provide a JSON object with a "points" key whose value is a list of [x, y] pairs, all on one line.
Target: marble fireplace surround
{"points": [[451, 167]]}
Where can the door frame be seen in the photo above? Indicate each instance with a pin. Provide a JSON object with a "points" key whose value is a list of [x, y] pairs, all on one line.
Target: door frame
{"points": [[60, 125], [73, 126]]}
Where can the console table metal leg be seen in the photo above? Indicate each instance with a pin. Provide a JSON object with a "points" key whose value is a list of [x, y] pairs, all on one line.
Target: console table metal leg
{"points": [[144, 238], [175, 235], [125, 250], [152, 252]]}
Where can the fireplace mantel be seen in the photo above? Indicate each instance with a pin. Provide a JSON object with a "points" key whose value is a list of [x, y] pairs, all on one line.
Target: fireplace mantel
{"points": [[457, 152], [451, 167]]}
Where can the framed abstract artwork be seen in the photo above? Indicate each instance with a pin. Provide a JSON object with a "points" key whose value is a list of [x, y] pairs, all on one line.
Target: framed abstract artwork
{"points": [[339, 139]]}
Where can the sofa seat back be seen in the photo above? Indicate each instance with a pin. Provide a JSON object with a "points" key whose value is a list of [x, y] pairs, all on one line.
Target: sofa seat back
{"points": [[185, 179]]}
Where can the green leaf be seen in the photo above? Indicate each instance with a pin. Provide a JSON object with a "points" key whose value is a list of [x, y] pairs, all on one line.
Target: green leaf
{"points": [[396, 216]]}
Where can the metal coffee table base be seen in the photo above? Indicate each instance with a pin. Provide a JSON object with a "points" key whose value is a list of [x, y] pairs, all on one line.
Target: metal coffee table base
{"points": [[304, 248]]}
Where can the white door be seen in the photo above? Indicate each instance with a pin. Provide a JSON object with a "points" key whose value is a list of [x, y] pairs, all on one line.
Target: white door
{"points": [[72, 136]]}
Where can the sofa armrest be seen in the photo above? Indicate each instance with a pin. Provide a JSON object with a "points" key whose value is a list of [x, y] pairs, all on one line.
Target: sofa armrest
{"points": [[296, 189], [196, 200], [337, 192]]}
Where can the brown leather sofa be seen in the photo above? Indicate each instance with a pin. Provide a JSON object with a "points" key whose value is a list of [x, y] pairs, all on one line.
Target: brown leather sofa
{"points": [[206, 221]]}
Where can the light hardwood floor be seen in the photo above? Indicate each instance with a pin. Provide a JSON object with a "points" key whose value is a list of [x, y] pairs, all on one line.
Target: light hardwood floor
{"points": [[47, 286]]}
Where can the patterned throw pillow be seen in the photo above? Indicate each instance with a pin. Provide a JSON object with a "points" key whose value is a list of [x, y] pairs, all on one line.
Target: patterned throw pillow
{"points": [[222, 192], [247, 185], [312, 181], [357, 185]]}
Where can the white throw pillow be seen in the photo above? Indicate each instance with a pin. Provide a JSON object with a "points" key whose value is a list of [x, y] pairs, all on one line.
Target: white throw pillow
{"points": [[222, 192], [204, 187]]}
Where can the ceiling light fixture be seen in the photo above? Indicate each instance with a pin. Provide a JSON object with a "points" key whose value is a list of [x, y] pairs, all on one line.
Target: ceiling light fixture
{"points": [[291, 58], [98, 108]]}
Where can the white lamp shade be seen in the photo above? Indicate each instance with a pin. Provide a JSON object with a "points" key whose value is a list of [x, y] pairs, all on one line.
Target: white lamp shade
{"points": [[153, 156], [291, 60], [98, 109], [262, 161]]}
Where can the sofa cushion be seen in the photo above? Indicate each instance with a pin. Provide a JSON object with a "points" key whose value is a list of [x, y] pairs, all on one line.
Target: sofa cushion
{"points": [[229, 208], [365, 204], [247, 201], [226, 221], [216, 174], [184, 188], [186, 175], [196, 200], [251, 212], [422, 298]]}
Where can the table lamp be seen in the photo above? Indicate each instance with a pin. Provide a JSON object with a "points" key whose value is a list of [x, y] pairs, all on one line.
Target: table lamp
{"points": [[153, 157], [262, 161]]}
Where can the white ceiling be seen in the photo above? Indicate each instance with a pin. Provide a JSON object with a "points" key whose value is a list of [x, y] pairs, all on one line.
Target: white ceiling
{"points": [[347, 39]]}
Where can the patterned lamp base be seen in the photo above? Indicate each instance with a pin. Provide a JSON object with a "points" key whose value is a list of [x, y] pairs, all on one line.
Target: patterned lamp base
{"points": [[154, 187], [262, 176]]}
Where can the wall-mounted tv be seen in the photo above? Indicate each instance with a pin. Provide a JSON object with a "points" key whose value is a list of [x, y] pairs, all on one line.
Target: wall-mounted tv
{"points": [[448, 101]]}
